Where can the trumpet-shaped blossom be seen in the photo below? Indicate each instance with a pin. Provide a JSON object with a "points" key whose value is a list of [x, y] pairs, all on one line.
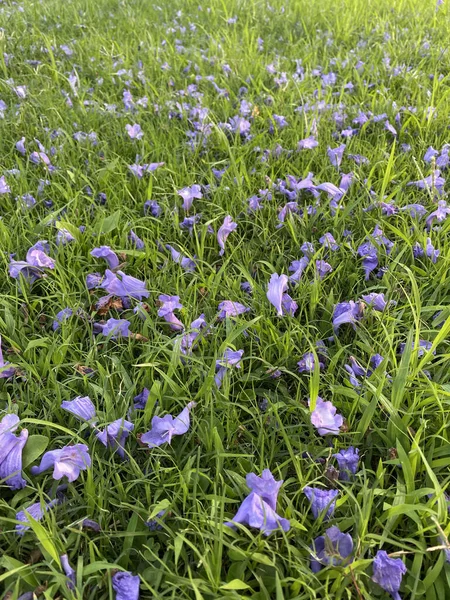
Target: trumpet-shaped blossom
{"points": [[368, 253], [231, 358], [308, 143], [168, 305], [328, 241], [321, 500], [276, 288], [6, 369], [255, 512], [115, 434], [388, 573], [4, 187], [107, 254], [189, 194], [124, 286], [323, 268], [36, 511], [81, 407], [424, 346], [308, 363], [134, 131], [227, 308], [225, 229], [36, 260], [433, 181], [164, 428], [186, 263], [61, 317], [347, 312], [152, 207], [331, 549], [68, 571], [136, 240], [378, 301], [265, 486], [431, 252], [188, 339], [297, 267], [439, 215], [126, 585], [348, 461], [288, 305], [325, 419], [336, 154], [11, 447], [67, 462], [113, 328], [140, 401]]}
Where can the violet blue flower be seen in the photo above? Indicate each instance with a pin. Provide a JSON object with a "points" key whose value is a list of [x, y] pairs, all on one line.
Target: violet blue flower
{"points": [[231, 358], [331, 549], [298, 266], [189, 222], [225, 229], [126, 585], [328, 241], [113, 328], [227, 309], [288, 305], [11, 447], [115, 434], [324, 417], [347, 312], [308, 143], [168, 305], [93, 281], [36, 261], [388, 573], [140, 401], [68, 571], [136, 240], [336, 154], [188, 339], [323, 268], [378, 301], [61, 317], [424, 346], [6, 369], [186, 263], [20, 146], [36, 511], [440, 214], [164, 428], [348, 461], [122, 285], [277, 286], [107, 254], [416, 211], [134, 131], [255, 512], [152, 207], [368, 253], [308, 364], [432, 181], [67, 462], [431, 251], [265, 486], [81, 407], [189, 194], [321, 500], [4, 187], [64, 237]]}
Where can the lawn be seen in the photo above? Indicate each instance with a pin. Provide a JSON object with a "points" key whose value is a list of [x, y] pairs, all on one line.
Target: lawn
{"points": [[225, 305]]}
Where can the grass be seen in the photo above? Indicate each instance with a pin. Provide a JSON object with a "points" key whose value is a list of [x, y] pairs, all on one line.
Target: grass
{"points": [[398, 418]]}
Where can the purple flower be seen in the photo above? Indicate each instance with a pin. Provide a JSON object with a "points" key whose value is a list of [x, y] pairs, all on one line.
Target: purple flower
{"points": [[188, 339], [114, 328], [308, 364], [20, 146], [390, 128], [140, 401], [308, 143], [67, 462], [152, 207], [288, 305], [378, 301], [255, 512], [321, 500], [164, 428], [224, 231], [265, 486], [136, 240], [424, 346], [228, 308], [288, 208], [239, 125], [90, 524], [325, 419], [11, 447], [4, 187], [433, 180], [106, 253], [82, 407], [417, 211], [348, 461], [331, 549], [35, 511], [431, 252], [189, 194], [231, 358], [439, 215], [347, 312], [277, 286], [68, 571], [388, 573], [123, 285], [93, 280], [64, 237], [166, 311], [36, 261], [328, 241], [126, 585], [186, 263], [381, 239], [298, 266], [134, 131], [189, 222], [323, 268], [336, 154], [368, 253], [62, 316], [140, 170], [115, 434], [5, 370]]}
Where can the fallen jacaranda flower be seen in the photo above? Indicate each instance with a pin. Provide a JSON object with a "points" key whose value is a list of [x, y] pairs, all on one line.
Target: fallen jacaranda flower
{"points": [[225, 229], [336, 154], [321, 500], [140, 401], [126, 585], [107, 254], [331, 549], [122, 285], [68, 571], [62, 316], [431, 252], [113, 328], [277, 286], [378, 301], [231, 358], [164, 428], [308, 363], [323, 268], [36, 511], [324, 417], [298, 266], [347, 312], [11, 447], [388, 573], [168, 305], [115, 434], [188, 339], [81, 407], [36, 261], [189, 194], [424, 346], [227, 308], [134, 131], [348, 461], [187, 263], [136, 240], [66, 462], [6, 369], [368, 253]]}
